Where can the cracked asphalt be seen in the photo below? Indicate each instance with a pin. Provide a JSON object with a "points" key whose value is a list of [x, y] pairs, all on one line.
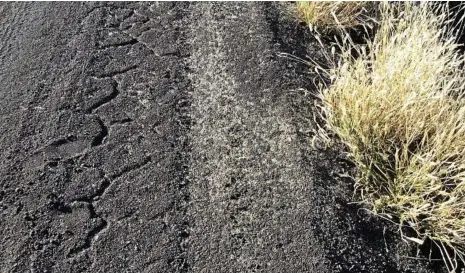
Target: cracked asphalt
{"points": [[171, 137]]}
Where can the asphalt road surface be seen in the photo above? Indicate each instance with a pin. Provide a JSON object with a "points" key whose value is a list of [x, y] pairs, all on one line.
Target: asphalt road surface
{"points": [[172, 137]]}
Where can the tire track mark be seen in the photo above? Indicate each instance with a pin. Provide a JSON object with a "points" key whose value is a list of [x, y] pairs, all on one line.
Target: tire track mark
{"points": [[248, 204]]}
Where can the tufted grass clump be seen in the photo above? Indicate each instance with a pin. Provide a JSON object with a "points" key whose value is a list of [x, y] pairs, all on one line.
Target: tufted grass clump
{"points": [[399, 108], [328, 16]]}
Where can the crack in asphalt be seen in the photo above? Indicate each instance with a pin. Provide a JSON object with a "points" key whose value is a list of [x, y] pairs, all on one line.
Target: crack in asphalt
{"points": [[89, 201], [100, 137], [98, 140], [98, 193], [112, 74], [123, 43], [114, 93], [93, 233], [97, 221], [130, 168], [122, 121], [63, 141]]}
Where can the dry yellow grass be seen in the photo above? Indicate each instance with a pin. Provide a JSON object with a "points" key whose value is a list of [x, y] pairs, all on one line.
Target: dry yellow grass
{"points": [[399, 108], [328, 16]]}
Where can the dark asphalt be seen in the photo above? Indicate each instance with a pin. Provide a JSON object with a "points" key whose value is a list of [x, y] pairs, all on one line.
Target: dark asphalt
{"points": [[170, 137]]}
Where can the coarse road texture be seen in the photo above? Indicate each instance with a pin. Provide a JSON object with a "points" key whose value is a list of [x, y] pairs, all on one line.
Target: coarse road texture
{"points": [[171, 137]]}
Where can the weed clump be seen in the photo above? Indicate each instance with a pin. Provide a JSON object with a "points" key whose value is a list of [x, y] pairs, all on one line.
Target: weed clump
{"points": [[399, 109]]}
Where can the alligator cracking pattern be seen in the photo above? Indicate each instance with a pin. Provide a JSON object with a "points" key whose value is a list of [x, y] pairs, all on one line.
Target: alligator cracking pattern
{"points": [[104, 133], [99, 140], [113, 49]]}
